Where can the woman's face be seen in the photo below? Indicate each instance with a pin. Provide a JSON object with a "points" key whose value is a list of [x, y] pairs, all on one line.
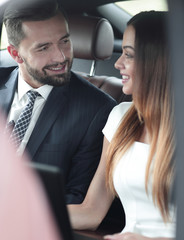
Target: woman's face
{"points": [[125, 64]]}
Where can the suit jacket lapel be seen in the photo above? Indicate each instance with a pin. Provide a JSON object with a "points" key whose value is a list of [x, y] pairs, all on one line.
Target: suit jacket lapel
{"points": [[54, 105], [7, 91]]}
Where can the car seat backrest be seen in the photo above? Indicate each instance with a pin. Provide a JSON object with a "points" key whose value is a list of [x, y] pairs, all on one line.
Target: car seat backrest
{"points": [[110, 85]]}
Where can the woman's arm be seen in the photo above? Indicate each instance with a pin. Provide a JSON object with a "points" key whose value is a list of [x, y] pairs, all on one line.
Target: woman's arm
{"points": [[91, 212]]}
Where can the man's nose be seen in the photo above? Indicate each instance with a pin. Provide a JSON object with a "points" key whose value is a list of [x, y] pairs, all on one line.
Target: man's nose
{"points": [[58, 54]]}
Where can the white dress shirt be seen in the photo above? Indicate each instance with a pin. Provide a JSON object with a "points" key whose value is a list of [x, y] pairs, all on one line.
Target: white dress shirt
{"points": [[19, 102]]}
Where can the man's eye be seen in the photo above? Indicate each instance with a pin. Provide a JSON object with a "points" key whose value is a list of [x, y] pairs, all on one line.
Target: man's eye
{"points": [[66, 40], [43, 49]]}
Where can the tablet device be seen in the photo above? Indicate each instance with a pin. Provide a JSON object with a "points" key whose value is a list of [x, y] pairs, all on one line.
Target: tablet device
{"points": [[53, 182], [52, 179]]}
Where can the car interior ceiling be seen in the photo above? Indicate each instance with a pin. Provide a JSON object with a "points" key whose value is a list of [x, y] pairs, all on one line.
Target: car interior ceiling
{"points": [[83, 5]]}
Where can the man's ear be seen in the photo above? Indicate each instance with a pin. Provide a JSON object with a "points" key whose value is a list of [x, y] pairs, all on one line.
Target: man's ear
{"points": [[14, 53]]}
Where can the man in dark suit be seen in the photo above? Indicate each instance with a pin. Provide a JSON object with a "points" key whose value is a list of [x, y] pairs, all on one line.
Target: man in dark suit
{"points": [[69, 113]]}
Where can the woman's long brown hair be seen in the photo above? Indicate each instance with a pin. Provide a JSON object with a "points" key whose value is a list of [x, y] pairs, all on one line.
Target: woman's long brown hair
{"points": [[152, 108]]}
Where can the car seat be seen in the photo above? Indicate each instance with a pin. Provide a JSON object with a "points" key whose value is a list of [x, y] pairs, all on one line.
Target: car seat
{"points": [[93, 40]]}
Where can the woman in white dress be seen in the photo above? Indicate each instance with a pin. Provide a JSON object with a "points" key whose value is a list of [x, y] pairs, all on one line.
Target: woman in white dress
{"points": [[137, 158]]}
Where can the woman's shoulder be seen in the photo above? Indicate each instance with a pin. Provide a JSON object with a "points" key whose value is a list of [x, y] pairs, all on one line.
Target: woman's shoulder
{"points": [[120, 109], [115, 118]]}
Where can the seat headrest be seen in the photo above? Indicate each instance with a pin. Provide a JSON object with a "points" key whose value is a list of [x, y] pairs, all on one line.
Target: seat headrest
{"points": [[92, 37]]}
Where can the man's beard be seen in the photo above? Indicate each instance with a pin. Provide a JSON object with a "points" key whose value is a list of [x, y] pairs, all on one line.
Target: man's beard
{"points": [[44, 78]]}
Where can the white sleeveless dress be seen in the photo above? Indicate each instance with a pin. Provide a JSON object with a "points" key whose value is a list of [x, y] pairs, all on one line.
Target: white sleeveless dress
{"points": [[142, 216]]}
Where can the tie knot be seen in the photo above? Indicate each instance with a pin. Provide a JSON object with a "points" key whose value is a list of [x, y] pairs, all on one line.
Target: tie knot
{"points": [[32, 95]]}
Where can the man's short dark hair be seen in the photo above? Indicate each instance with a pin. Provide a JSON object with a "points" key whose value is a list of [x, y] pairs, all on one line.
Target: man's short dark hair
{"points": [[19, 11]]}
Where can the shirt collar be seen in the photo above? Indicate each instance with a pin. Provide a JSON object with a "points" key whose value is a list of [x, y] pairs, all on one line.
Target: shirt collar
{"points": [[24, 87]]}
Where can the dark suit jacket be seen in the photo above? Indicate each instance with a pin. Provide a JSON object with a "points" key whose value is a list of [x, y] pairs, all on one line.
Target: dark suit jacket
{"points": [[68, 132]]}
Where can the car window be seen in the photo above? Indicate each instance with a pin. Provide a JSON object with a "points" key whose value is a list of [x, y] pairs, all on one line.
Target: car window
{"points": [[133, 7]]}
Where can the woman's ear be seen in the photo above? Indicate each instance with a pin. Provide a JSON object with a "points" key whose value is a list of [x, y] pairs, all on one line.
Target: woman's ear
{"points": [[14, 53]]}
